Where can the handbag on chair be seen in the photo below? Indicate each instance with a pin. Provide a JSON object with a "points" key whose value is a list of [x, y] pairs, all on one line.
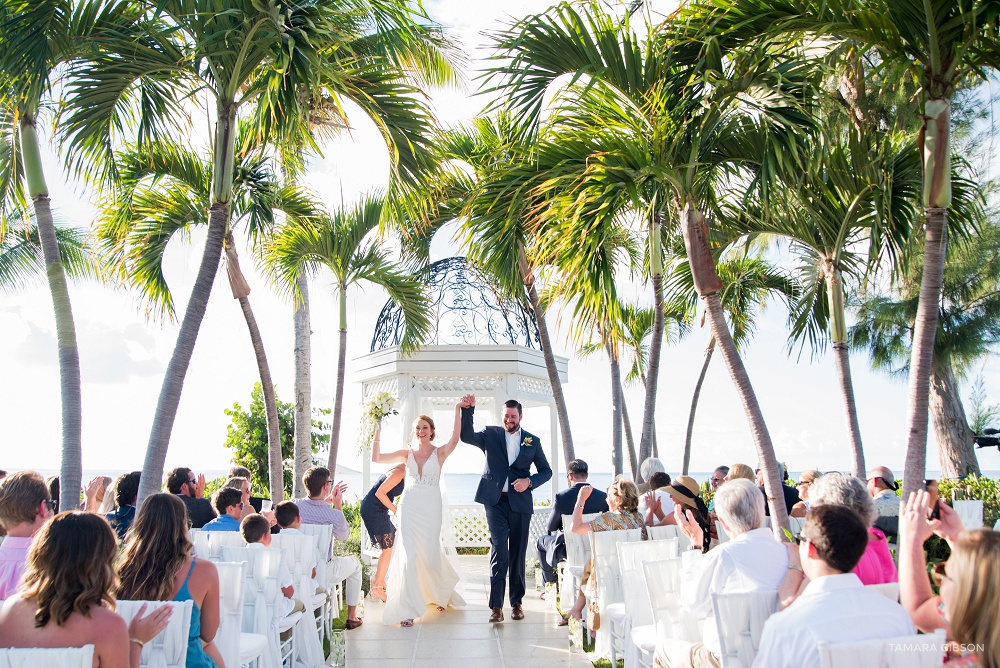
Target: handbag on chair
{"points": [[593, 616]]}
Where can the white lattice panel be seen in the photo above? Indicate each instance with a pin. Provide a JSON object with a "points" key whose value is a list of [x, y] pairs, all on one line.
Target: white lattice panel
{"points": [[535, 386], [459, 384], [470, 529], [389, 385]]}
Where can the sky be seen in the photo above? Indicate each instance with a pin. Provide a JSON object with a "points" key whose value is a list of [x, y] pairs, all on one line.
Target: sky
{"points": [[124, 354]]}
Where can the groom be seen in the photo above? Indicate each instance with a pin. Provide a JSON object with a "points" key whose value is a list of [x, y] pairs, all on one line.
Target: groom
{"points": [[505, 490]]}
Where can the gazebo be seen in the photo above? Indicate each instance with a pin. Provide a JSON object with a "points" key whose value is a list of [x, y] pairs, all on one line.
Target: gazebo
{"points": [[482, 343]]}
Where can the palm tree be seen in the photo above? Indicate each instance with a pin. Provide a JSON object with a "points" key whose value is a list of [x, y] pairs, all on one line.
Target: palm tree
{"points": [[342, 244], [646, 126], [968, 330], [38, 38], [164, 191], [21, 259], [936, 43], [275, 59], [748, 283]]}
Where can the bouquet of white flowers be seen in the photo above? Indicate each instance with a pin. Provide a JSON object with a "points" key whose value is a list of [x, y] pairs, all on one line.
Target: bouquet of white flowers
{"points": [[373, 410]]}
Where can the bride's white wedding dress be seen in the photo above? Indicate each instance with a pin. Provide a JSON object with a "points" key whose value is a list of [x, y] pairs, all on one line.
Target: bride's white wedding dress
{"points": [[420, 573]]}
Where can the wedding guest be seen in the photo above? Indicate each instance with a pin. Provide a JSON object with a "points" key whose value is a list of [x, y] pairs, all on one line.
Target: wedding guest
{"points": [[66, 596], [53, 484], [623, 513], [687, 495], [158, 564], [882, 487], [237, 471], [183, 483], [835, 607], [228, 503], [969, 581], [256, 531], [876, 565], [657, 506], [738, 471], [24, 507], [126, 492], [805, 482], [647, 468], [94, 493], [378, 503], [752, 559], [790, 494], [324, 506]]}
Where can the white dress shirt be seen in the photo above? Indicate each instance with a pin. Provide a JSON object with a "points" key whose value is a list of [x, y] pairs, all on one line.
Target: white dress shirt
{"points": [[666, 503], [751, 561], [513, 449], [834, 608]]}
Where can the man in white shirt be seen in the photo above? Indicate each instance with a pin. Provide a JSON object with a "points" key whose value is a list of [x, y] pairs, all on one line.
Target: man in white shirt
{"points": [[835, 606], [751, 560]]}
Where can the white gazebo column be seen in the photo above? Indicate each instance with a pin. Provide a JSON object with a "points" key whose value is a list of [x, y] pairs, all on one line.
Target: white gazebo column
{"points": [[554, 450]]}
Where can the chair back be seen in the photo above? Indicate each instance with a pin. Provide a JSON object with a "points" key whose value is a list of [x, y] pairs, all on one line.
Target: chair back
{"points": [[577, 545], [299, 553], [203, 545], [261, 595], [209, 544], [916, 651], [739, 618], [324, 546], [35, 657], [232, 582], [795, 525], [169, 648], [663, 588], [604, 547], [888, 589], [668, 531]]}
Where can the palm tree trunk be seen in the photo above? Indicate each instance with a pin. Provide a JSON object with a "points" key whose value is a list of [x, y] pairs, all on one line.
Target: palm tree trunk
{"points": [[656, 444], [275, 468], [173, 379], [241, 292], [936, 137], [528, 277], [955, 440], [616, 410], [629, 440], [303, 389], [686, 464], [71, 461], [838, 335], [653, 369], [708, 285], [338, 401]]}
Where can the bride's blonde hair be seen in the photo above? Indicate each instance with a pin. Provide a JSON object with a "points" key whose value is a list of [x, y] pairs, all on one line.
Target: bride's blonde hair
{"points": [[429, 420]]}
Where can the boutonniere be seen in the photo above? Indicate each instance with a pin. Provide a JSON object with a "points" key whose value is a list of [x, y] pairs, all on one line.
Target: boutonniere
{"points": [[527, 442]]}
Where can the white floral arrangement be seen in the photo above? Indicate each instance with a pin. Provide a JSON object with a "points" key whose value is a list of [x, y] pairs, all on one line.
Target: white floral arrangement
{"points": [[373, 410]]}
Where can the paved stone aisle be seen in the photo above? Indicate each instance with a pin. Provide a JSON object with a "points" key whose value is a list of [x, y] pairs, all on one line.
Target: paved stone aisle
{"points": [[462, 637]]}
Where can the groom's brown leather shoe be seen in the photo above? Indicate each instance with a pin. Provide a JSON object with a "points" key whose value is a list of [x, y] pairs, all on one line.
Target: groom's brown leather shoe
{"points": [[497, 615], [517, 613]]}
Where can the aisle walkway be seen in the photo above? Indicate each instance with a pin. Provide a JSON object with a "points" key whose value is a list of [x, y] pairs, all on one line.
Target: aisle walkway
{"points": [[463, 637]]}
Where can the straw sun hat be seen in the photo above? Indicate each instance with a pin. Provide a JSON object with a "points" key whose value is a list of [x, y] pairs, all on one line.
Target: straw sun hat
{"points": [[684, 490]]}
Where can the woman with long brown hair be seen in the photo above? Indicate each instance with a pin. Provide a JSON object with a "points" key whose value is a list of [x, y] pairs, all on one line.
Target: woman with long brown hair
{"points": [[66, 596], [158, 564]]}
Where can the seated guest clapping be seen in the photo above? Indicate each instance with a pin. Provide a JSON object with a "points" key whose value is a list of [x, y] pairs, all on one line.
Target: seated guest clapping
{"points": [[623, 501], [66, 596], [876, 565], [24, 506], [126, 492], [835, 606], [969, 582], [158, 564], [657, 506], [752, 559], [256, 530], [229, 504]]}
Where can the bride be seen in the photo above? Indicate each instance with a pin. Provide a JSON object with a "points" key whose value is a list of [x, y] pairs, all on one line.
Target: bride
{"points": [[419, 574]]}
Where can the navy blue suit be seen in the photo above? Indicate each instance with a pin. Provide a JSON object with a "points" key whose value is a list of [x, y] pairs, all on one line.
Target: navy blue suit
{"points": [[552, 546], [507, 513]]}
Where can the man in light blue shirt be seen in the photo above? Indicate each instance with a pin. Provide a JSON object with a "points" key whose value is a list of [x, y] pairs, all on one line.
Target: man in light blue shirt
{"points": [[228, 503]]}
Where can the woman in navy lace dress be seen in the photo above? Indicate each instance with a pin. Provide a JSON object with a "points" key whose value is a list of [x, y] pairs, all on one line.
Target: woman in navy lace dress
{"points": [[375, 509]]}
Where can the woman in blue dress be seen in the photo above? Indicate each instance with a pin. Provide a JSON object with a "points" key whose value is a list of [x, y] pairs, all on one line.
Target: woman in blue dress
{"points": [[375, 509], [158, 564]]}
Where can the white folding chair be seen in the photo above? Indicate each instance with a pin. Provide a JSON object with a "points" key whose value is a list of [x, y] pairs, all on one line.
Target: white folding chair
{"points": [[795, 525], [169, 648], [237, 648], [739, 618], [888, 589], [663, 588], [632, 628], [324, 549], [667, 531], [299, 554], [203, 545], [604, 547], [209, 544], [916, 651], [577, 555], [34, 657], [260, 603]]}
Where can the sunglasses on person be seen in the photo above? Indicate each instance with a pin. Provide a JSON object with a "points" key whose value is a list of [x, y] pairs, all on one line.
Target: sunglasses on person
{"points": [[939, 574], [51, 504]]}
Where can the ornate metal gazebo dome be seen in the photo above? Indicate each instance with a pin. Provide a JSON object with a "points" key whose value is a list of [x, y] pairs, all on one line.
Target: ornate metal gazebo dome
{"points": [[467, 310]]}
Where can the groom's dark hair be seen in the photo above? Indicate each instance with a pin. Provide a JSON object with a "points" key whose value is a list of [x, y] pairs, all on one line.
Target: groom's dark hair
{"points": [[578, 469], [514, 403]]}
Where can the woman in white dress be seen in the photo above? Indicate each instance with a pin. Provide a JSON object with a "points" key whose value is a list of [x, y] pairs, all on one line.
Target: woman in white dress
{"points": [[420, 573]]}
